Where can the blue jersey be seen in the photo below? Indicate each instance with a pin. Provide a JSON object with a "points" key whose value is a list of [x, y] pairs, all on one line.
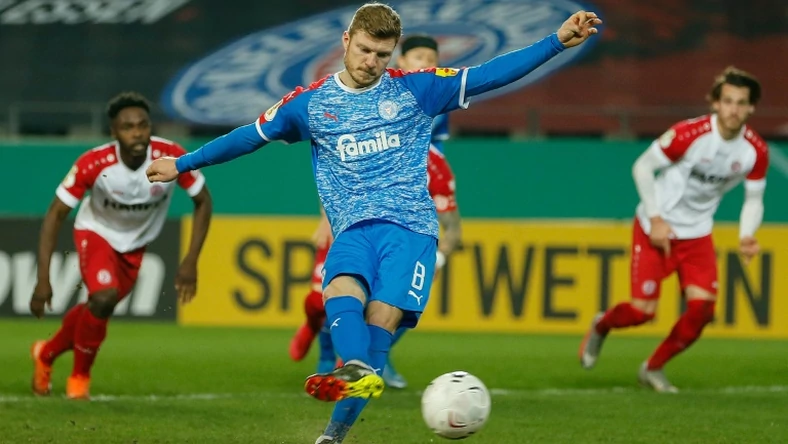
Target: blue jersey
{"points": [[440, 131], [369, 146]]}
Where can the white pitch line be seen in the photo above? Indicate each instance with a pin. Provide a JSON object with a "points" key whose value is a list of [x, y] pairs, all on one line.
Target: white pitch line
{"points": [[155, 398], [624, 390], [732, 390]]}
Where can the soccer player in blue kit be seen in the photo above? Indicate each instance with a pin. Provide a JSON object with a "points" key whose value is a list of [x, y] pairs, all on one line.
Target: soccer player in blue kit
{"points": [[370, 129], [417, 51]]}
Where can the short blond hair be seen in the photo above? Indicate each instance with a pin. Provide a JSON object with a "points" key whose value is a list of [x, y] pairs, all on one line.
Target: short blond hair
{"points": [[378, 20]]}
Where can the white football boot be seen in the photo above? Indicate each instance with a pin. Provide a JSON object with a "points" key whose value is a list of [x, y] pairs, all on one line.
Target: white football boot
{"points": [[655, 379]]}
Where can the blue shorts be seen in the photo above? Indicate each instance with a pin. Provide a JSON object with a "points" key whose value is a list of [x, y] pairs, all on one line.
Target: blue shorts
{"points": [[394, 264]]}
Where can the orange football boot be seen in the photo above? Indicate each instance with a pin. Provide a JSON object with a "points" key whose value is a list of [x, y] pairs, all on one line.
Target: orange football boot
{"points": [[78, 387], [42, 373]]}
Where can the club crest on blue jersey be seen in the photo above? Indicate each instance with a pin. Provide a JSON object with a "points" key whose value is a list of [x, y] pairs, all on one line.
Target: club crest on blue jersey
{"points": [[388, 109], [232, 85]]}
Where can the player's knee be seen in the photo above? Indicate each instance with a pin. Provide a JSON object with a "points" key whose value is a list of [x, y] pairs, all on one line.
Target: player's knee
{"points": [[698, 314], [384, 316], [646, 306], [700, 311], [344, 286], [645, 317], [694, 292], [700, 304], [102, 303]]}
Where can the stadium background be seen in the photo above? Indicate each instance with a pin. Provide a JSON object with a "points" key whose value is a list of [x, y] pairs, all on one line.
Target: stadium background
{"points": [[543, 172]]}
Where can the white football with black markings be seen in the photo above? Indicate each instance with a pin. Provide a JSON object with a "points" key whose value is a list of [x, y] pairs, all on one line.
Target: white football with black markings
{"points": [[456, 405]]}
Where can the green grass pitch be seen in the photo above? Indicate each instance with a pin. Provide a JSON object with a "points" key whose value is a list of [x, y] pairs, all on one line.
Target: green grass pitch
{"points": [[157, 383]]}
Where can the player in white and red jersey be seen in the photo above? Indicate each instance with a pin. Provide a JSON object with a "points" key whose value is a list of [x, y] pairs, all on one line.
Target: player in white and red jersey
{"points": [[698, 161], [416, 52], [121, 213]]}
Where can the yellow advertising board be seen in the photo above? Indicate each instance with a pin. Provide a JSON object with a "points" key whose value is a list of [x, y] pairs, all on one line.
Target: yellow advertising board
{"points": [[252, 272], [555, 276], [510, 276]]}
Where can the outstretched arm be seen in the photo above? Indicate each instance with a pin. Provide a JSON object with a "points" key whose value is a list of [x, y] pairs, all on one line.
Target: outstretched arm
{"points": [[510, 67], [514, 65], [285, 121], [240, 141], [440, 90]]}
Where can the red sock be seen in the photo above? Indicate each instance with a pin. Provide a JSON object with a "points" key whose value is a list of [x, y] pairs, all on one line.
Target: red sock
{"points": [[687, 329], [64, 338], [315, 312], [620, 316], [88, 336]]}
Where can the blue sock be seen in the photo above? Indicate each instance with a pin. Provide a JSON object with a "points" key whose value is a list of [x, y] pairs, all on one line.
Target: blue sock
{"points": [[379, 347], [347, 410], [349, 333], [325, 363], [398, 334], [326, 346]]}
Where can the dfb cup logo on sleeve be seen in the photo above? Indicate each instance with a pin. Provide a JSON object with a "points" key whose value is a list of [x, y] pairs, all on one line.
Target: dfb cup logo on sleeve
{"points": [[667, 138], [446, 72], [232, 85], [71, 177], [271, 113]]}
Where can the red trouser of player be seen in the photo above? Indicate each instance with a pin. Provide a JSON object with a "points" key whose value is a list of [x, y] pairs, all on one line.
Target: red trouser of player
{"points": [[314, 310], [695, 262], [109, 277]]}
